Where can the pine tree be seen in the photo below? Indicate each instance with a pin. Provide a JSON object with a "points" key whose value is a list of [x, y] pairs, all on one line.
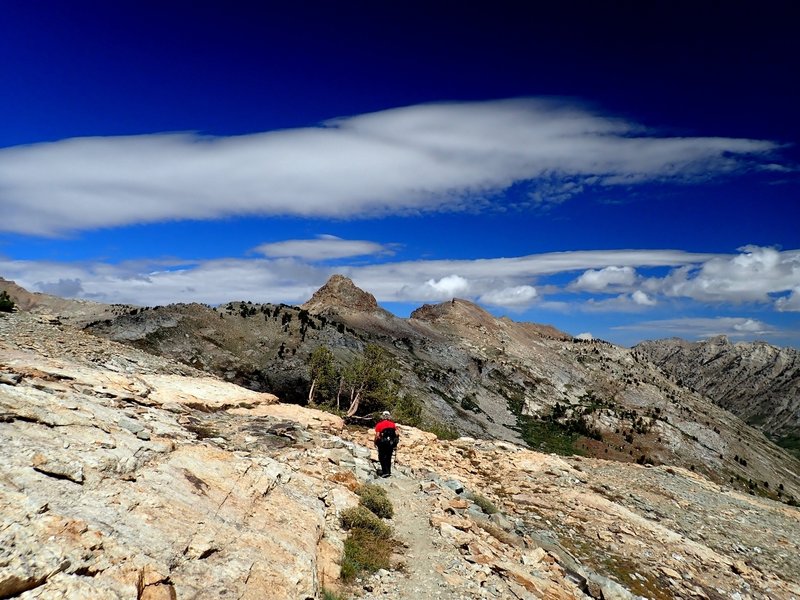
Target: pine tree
{"points": [[322, 372]]}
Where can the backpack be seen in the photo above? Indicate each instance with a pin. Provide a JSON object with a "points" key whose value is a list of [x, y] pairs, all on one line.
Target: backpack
{"points": [[388, 437]]}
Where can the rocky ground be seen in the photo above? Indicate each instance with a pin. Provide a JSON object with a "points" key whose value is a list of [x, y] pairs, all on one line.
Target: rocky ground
{"points": [[125, 475]]}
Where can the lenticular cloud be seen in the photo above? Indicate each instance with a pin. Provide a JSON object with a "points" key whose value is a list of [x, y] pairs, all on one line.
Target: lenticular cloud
{"points": [[420, 158]]}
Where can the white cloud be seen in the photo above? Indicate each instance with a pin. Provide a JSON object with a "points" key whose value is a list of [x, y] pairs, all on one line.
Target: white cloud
{"points": [[447, 156], [447, 287], [519, 295], [639, 297], [790, 303], [750, 276], [584, 336], [700, 327], [325, 247], [599, 280], [751, 326]]}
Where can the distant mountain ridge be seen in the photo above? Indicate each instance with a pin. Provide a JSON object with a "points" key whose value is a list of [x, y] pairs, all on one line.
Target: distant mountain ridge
{"points": [[756, 381]]}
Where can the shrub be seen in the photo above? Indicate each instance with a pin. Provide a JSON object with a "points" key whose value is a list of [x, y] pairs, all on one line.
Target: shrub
{"points": [[374, 498], [6, 303], [408, 410], [360, 517], [484, 503], [331, 595], [365, 551], [469, 403]]}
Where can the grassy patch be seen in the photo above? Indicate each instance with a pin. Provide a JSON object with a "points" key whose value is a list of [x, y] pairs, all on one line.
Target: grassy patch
{"points": [[360, 517], [365, 551], [374, 498], [369, 545]]}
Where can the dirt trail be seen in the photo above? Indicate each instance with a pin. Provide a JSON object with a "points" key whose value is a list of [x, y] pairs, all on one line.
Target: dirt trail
{"points": [[427, 558]]}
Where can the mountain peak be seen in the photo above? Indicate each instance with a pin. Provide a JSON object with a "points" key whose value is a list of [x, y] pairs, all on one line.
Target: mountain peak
{"points": [[340, 292], [455, 310]]}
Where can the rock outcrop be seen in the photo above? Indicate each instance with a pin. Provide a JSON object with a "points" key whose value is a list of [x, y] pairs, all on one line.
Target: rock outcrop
{"points": [[340, 294], [128, 476]]}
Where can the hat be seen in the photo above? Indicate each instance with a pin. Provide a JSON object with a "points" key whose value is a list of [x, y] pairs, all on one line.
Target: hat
{"points": [[386, 414]]}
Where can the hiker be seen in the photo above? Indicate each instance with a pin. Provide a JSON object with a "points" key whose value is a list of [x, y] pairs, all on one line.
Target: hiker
{"points": [[386, 439]]}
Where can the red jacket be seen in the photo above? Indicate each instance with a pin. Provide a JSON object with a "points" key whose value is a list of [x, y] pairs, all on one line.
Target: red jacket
{"points": [[385, 424]]}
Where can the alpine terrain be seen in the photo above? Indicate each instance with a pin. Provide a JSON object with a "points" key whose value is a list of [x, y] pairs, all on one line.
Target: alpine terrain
{"points": [[150, 453]]}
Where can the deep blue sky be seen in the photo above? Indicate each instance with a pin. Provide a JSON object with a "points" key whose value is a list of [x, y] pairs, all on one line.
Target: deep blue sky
{"points": [[152, 220]]}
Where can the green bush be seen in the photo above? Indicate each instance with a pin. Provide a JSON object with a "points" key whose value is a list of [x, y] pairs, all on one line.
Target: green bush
{"points": [[374, 498], [360, 517], [408, 411], [6, 303], [364, 550]]}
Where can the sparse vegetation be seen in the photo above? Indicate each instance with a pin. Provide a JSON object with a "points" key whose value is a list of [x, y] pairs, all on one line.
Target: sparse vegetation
{"points": [[484, 503], [408, 410], [790, 443], [443, 431], [369, 545], [375, 499], [6, 303], [548, 436], [331, 595]]}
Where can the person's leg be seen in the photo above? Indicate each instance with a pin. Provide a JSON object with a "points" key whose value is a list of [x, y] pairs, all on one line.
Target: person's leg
{"points": [[389, 453], [385, 456]]}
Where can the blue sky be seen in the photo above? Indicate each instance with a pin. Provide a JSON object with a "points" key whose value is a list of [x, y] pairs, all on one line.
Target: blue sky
{"points": [[627, 173]]}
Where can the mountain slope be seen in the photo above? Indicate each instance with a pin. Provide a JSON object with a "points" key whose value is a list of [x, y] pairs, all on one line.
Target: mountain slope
{"points": [[756, 381]]}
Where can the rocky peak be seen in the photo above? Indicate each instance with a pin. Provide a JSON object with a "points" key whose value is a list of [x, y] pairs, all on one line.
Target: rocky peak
{"points": [[339, 292], [458, 311]]}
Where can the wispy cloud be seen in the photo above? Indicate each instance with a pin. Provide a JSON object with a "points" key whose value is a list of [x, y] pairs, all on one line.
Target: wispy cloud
{"points": [[295, 271], [735, 327], [448, 156], [324, 247]]}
